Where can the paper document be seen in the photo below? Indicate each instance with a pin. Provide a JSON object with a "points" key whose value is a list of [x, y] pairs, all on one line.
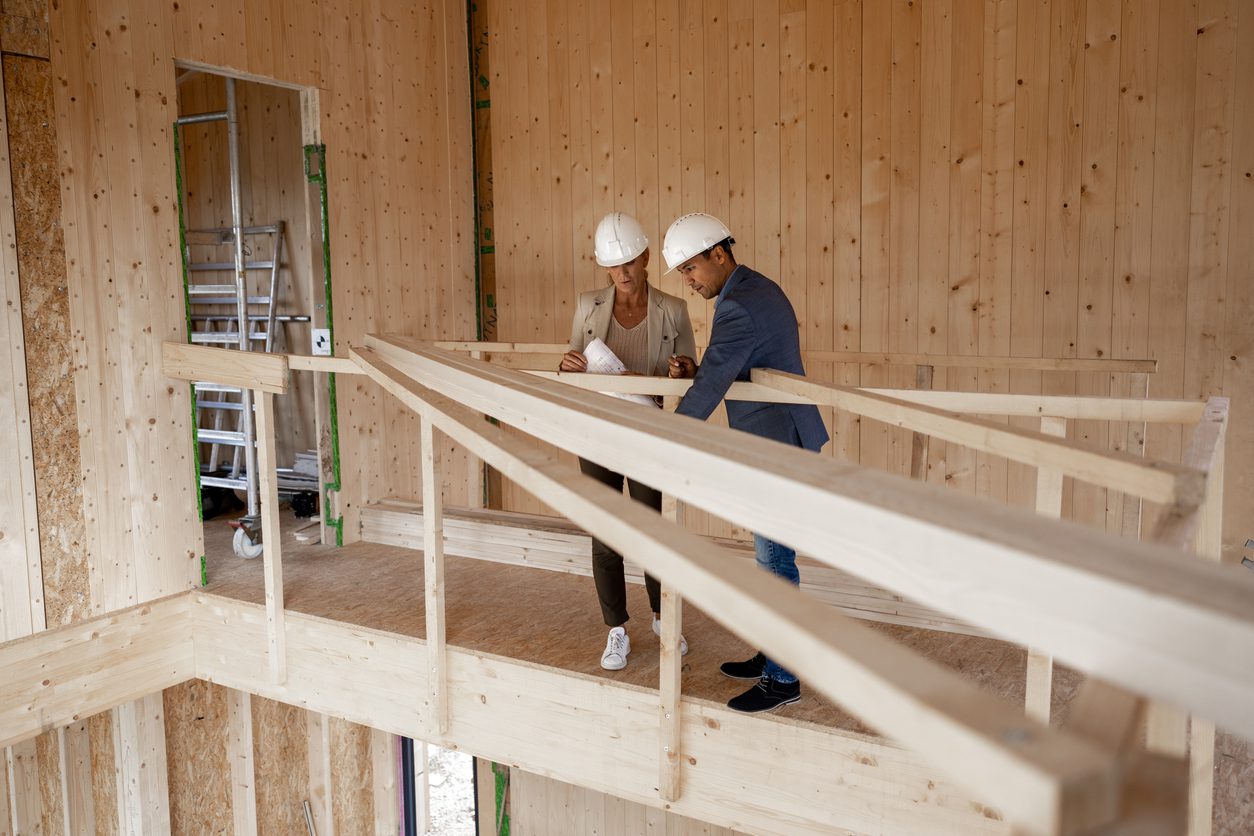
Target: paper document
{"points": [[603, 361]]}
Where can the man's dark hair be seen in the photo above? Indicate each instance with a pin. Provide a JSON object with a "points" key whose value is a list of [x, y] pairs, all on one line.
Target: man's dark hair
{"points": [[726, 244]]}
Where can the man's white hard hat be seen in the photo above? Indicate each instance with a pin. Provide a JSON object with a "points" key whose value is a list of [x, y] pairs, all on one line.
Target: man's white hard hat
{"points": [[619, 238], [692, 235]]}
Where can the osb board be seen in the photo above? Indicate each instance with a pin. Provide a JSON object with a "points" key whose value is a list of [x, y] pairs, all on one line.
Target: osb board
{"points": [[196, 755], [46, 325], [272, 188], [913, 176], [352, 778], [103, 778], [48, 756], [281, 766], [1234, 786], [542, 806]]}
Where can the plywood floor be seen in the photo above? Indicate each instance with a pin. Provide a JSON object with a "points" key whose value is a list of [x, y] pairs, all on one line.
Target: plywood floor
{"points": [[552, 618]]}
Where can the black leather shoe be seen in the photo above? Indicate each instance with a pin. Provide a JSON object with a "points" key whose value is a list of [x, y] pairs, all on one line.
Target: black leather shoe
{"points": [[750, 669], [768, 694]]}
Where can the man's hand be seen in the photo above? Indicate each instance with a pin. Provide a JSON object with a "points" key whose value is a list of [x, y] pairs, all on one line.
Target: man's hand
{"points": [[573, 361], [681, 366]]}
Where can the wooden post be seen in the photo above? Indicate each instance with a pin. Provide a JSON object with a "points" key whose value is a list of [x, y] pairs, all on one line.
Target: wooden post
{"points": [[670, 664], [1210, 536], [384, 749], [22, 780], [1130, 526], [433, 576], [74, 743], [474, 467], [1040, 673], [919, 441], [318, 737], [139, 762], [272, 536], [239, 749], [422, 790]]}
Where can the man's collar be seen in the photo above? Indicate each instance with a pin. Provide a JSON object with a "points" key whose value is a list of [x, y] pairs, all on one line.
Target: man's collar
{"points": [[736, 275]]}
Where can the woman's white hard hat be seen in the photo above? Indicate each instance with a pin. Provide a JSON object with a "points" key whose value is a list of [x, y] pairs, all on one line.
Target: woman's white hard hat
{"points": [[619, 238], [691, 235]]}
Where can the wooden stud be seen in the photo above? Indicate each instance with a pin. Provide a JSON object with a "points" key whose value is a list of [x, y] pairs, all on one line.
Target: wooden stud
{"points": [[384, 752], [318, 741], [271, 532], [22, 778], [140, 766], [919, 441], [75, 745], [1040, 675], [670, 665], [239, 752], [433, 579]]}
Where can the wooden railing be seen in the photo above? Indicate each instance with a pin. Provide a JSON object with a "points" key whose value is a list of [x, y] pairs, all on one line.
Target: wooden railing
{"points": [[1139, 619]]}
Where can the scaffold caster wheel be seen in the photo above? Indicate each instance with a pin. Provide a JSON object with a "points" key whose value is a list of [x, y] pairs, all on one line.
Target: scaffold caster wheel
{"points": [[244, 545]]}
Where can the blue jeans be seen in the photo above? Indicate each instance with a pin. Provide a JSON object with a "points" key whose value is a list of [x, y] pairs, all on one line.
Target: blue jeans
{"points": [[781, 561]]}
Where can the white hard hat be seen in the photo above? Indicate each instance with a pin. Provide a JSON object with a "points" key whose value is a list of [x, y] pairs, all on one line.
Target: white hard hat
{"points": [[692, 235], [619, 239]]}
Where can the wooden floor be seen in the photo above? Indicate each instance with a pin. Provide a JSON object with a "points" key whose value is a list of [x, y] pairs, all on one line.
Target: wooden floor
{"points": [[552, 618]]}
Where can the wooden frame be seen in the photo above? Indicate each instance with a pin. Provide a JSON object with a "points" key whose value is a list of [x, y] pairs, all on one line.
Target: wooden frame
{"points": [[1060, 592]]}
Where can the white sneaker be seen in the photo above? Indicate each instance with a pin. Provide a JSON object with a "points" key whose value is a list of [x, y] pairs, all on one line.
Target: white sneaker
{"points": [[617, 647], [683, 643]]}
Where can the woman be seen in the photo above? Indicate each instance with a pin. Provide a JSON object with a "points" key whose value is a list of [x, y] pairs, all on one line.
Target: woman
{"points": [[645, 328]]}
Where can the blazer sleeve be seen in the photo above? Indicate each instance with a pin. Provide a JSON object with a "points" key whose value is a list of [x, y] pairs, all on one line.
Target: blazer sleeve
{"points": [[732, 339], [685, 341]]}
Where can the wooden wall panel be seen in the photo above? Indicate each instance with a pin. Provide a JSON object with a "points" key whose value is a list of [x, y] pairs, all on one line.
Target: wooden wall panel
{"points": [[1062, 178], [542, 806]]}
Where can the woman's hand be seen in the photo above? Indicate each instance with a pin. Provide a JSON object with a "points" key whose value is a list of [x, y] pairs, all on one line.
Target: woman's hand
{"points": [[681, 366], [573, 361]]}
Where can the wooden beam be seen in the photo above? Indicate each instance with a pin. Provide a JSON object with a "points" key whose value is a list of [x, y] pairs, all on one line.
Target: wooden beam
{"points": [[1047, 782], [965, 361], [433, 577], [1135, 613], [54, 677], [569, 727], [334, 365], [247, 369], [271, 532], [239, 753], [1156, 481]]}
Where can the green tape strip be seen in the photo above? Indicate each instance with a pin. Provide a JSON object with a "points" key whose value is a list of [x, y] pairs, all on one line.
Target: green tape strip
{"points": [[319, 176]]}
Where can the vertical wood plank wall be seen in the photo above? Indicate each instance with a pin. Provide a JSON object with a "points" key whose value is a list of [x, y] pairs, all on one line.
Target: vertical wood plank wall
{"points": [[977, 177], [395, 118]]}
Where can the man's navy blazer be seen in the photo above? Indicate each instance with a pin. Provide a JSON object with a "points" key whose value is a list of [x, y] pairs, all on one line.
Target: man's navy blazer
{"points": [[754, 328]]}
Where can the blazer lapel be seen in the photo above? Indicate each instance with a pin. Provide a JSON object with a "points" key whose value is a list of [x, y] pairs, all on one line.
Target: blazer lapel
{"points": [[656, 324]]}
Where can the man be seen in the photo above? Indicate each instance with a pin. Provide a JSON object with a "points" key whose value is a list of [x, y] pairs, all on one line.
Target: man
{"points": [[754, 327]]}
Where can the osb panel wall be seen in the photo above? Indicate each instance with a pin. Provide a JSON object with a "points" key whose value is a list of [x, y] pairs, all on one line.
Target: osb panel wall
{"points": [[196, 755], [352, 778], [980, 177], [395, 117], [273, 186], [281, 766], [46, 325]]}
